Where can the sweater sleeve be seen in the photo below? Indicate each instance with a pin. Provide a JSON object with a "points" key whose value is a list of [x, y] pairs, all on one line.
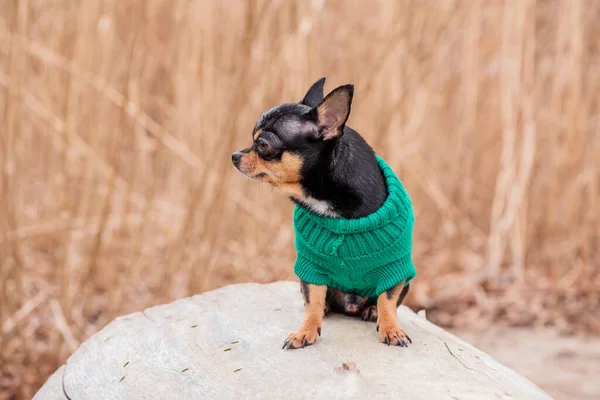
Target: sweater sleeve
{"points": [[392, 274], [309, 272]]}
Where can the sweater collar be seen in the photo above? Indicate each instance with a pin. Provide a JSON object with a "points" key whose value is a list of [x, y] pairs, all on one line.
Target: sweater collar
{"points": [[395, 205]]}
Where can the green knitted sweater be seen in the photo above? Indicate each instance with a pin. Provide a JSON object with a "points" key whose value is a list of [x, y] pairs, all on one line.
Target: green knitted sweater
{"points": [[366, 256]]}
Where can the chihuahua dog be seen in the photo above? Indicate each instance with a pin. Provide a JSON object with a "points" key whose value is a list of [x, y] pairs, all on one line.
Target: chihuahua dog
{"points": [[307, 151]]}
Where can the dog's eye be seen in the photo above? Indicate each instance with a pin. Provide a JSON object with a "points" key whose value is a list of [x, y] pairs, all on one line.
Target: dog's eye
{"points": [[262, 144]]}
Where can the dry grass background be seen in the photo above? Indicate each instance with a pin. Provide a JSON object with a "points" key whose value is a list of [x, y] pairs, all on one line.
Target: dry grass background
{"points": [[118, 119]]}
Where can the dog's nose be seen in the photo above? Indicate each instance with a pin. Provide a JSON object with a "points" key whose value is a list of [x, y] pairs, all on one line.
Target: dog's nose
{"points": [[235, 157]]}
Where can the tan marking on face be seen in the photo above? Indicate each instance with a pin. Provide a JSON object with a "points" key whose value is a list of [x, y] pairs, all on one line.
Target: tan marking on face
{"points": [[257, 134], [283, 174]]}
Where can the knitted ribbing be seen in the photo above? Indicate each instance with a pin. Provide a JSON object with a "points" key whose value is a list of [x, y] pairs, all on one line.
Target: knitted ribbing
{"points": [[366, 255]]}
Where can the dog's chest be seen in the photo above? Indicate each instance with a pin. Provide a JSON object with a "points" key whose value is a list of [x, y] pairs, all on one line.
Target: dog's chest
{"points": [[320, 207]]}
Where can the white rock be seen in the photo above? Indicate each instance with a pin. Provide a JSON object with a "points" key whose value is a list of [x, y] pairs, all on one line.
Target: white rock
{"points": [[53, 389], [227, 344]]}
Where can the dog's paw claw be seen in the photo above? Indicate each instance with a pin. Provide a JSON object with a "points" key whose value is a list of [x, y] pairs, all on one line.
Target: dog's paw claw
{"points": [[301, 339], [394, 335]]}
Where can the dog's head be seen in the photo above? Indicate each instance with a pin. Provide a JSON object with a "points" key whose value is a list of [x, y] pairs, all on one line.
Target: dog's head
{"points": [[290, 139]]}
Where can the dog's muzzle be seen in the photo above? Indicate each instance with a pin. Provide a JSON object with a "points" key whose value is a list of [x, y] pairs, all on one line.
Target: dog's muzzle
{"points": [[236, 157]]}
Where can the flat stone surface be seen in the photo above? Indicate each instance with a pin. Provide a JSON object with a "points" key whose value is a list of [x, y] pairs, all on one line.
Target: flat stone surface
{"points": [[227, 343]]}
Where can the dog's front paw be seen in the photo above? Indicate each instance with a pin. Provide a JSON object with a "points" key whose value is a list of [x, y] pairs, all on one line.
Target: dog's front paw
{"points": [[369, 314], [306, 336], [393, 334]]}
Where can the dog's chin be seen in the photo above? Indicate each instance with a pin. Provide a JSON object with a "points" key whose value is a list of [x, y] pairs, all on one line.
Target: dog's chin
{"points": [[258, 177]]}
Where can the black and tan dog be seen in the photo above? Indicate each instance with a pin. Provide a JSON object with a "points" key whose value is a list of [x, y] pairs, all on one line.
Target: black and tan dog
{"points": [[306, 151]]}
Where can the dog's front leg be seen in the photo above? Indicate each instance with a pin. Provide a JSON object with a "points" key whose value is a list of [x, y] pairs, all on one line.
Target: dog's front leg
{"points": [[314, 304], [387, 318]]}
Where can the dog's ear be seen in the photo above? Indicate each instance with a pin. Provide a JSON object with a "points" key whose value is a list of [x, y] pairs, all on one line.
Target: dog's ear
{"points": [[332, 113], [315, 94]]}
